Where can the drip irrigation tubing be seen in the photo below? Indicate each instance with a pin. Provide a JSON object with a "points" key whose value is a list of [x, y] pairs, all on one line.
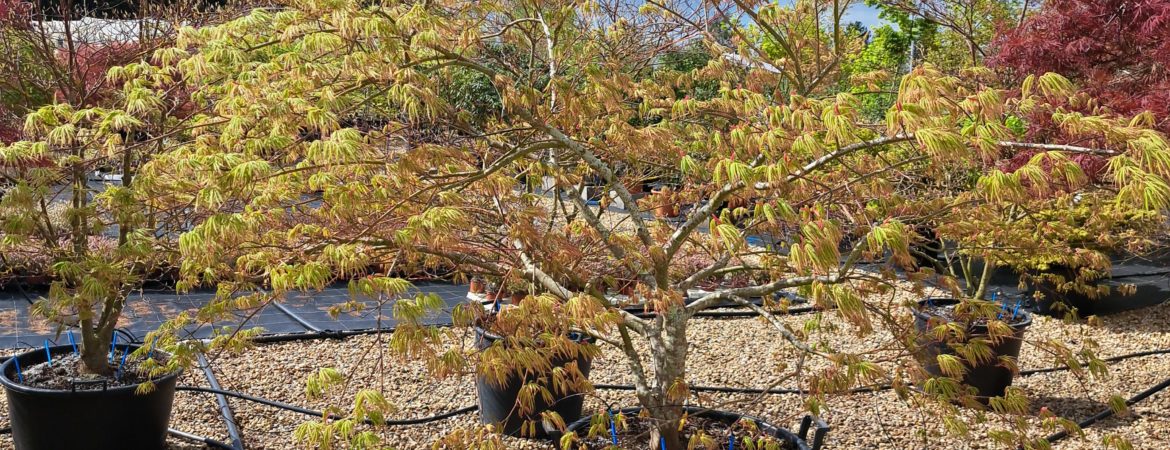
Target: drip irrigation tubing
{"points": [[180, 434], [310, 412], [304, 323], [1108, 412], [200, 439], [225, 409]]}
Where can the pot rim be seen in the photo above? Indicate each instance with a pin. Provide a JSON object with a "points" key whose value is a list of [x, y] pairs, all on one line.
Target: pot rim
{"points": [[1024, 323], [14, 386], [490, 336]]}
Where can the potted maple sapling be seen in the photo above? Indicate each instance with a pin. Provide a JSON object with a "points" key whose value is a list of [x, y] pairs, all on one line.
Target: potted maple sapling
{"points": [[1040, 214], [96, 242], [90, 390], [1077, 283]]}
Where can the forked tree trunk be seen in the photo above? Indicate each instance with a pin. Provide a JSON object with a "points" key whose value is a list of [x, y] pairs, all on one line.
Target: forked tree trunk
{"points": [[95, 351]]}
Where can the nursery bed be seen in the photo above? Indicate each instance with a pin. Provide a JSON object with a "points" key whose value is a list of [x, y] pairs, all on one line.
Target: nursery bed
{"points": [[722, 348], [146, 309]]}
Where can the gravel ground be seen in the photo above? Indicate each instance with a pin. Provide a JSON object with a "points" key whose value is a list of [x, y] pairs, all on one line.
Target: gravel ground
{"points": [[721, 348]]}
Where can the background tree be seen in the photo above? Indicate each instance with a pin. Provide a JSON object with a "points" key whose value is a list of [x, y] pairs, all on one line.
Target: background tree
{"points": [[1116, 50], [952, 34]]}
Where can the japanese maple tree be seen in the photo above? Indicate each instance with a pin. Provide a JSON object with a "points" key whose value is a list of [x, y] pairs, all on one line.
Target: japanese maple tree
{"points": [[1117, 50], [327, 145]]}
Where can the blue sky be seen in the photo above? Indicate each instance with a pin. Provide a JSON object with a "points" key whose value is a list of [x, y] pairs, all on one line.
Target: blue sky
{"points": [[867, 15]]}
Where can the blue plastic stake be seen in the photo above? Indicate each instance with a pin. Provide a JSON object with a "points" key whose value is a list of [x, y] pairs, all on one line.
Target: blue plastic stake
{"points": [[662, 442], [612, 429], [47, 354], [731, 442], [125, 351], [19, 376], [150, 354], [1017, 308], [113, 346], [72, 342]]}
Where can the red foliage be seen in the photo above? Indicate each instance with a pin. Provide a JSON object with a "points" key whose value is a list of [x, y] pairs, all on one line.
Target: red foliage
{"points": [[14, 12], [1118, 50], [9, 133], [93, 60]]}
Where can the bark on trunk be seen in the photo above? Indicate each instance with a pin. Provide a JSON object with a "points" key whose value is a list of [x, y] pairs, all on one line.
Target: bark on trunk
{"points": [[668, 349], [95, 356]]}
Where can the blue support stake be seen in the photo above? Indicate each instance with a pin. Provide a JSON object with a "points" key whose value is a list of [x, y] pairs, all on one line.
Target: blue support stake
{"points": [[113, 346], [662, 442], [47, 353], [731, 442], [19, 375], [125, 351], [72, 342], [612, 429]]}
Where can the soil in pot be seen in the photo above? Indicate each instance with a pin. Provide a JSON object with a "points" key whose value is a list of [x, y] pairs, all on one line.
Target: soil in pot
{"points": [[719, 426], [497, 403], [989, 378], [59, 408]]}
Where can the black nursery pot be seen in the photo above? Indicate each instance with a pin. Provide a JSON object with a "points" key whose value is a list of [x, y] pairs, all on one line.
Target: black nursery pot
{"points": [[116, 418], [497, 404], [796, 441], [1056, 304], [988, 378]]}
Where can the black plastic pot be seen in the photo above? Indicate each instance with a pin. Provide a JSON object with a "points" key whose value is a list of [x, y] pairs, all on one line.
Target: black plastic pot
{"points": [[988, 378], [497, 404], [114, 418], [1150, 282], [798, 440]]}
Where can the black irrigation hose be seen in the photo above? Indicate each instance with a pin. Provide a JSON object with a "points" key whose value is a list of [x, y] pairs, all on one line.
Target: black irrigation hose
{"points": [[309, 412], [739, 390], [225, 409], [1110, 359], [200, 439], [304, 323], [1108, 412], [730, 314], [323, 334], [181, 434]]}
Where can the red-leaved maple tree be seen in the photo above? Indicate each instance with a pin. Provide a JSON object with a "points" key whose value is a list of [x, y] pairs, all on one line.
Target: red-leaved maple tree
{"points": [[1118, 50]]}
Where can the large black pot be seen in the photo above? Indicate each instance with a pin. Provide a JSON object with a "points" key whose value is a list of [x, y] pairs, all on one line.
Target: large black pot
{"points": [[1149, 279], [798, 440], [497, 404], [988, 378], [114, 418]]}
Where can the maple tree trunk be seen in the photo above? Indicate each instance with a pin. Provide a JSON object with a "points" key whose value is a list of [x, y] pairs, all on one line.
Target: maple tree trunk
{"points": [[95, 350], [664, 404]]}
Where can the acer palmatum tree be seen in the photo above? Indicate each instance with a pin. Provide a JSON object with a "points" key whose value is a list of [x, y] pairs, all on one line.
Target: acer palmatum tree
{"points": [[327, 147], [1117, 50], [96, 241]]}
